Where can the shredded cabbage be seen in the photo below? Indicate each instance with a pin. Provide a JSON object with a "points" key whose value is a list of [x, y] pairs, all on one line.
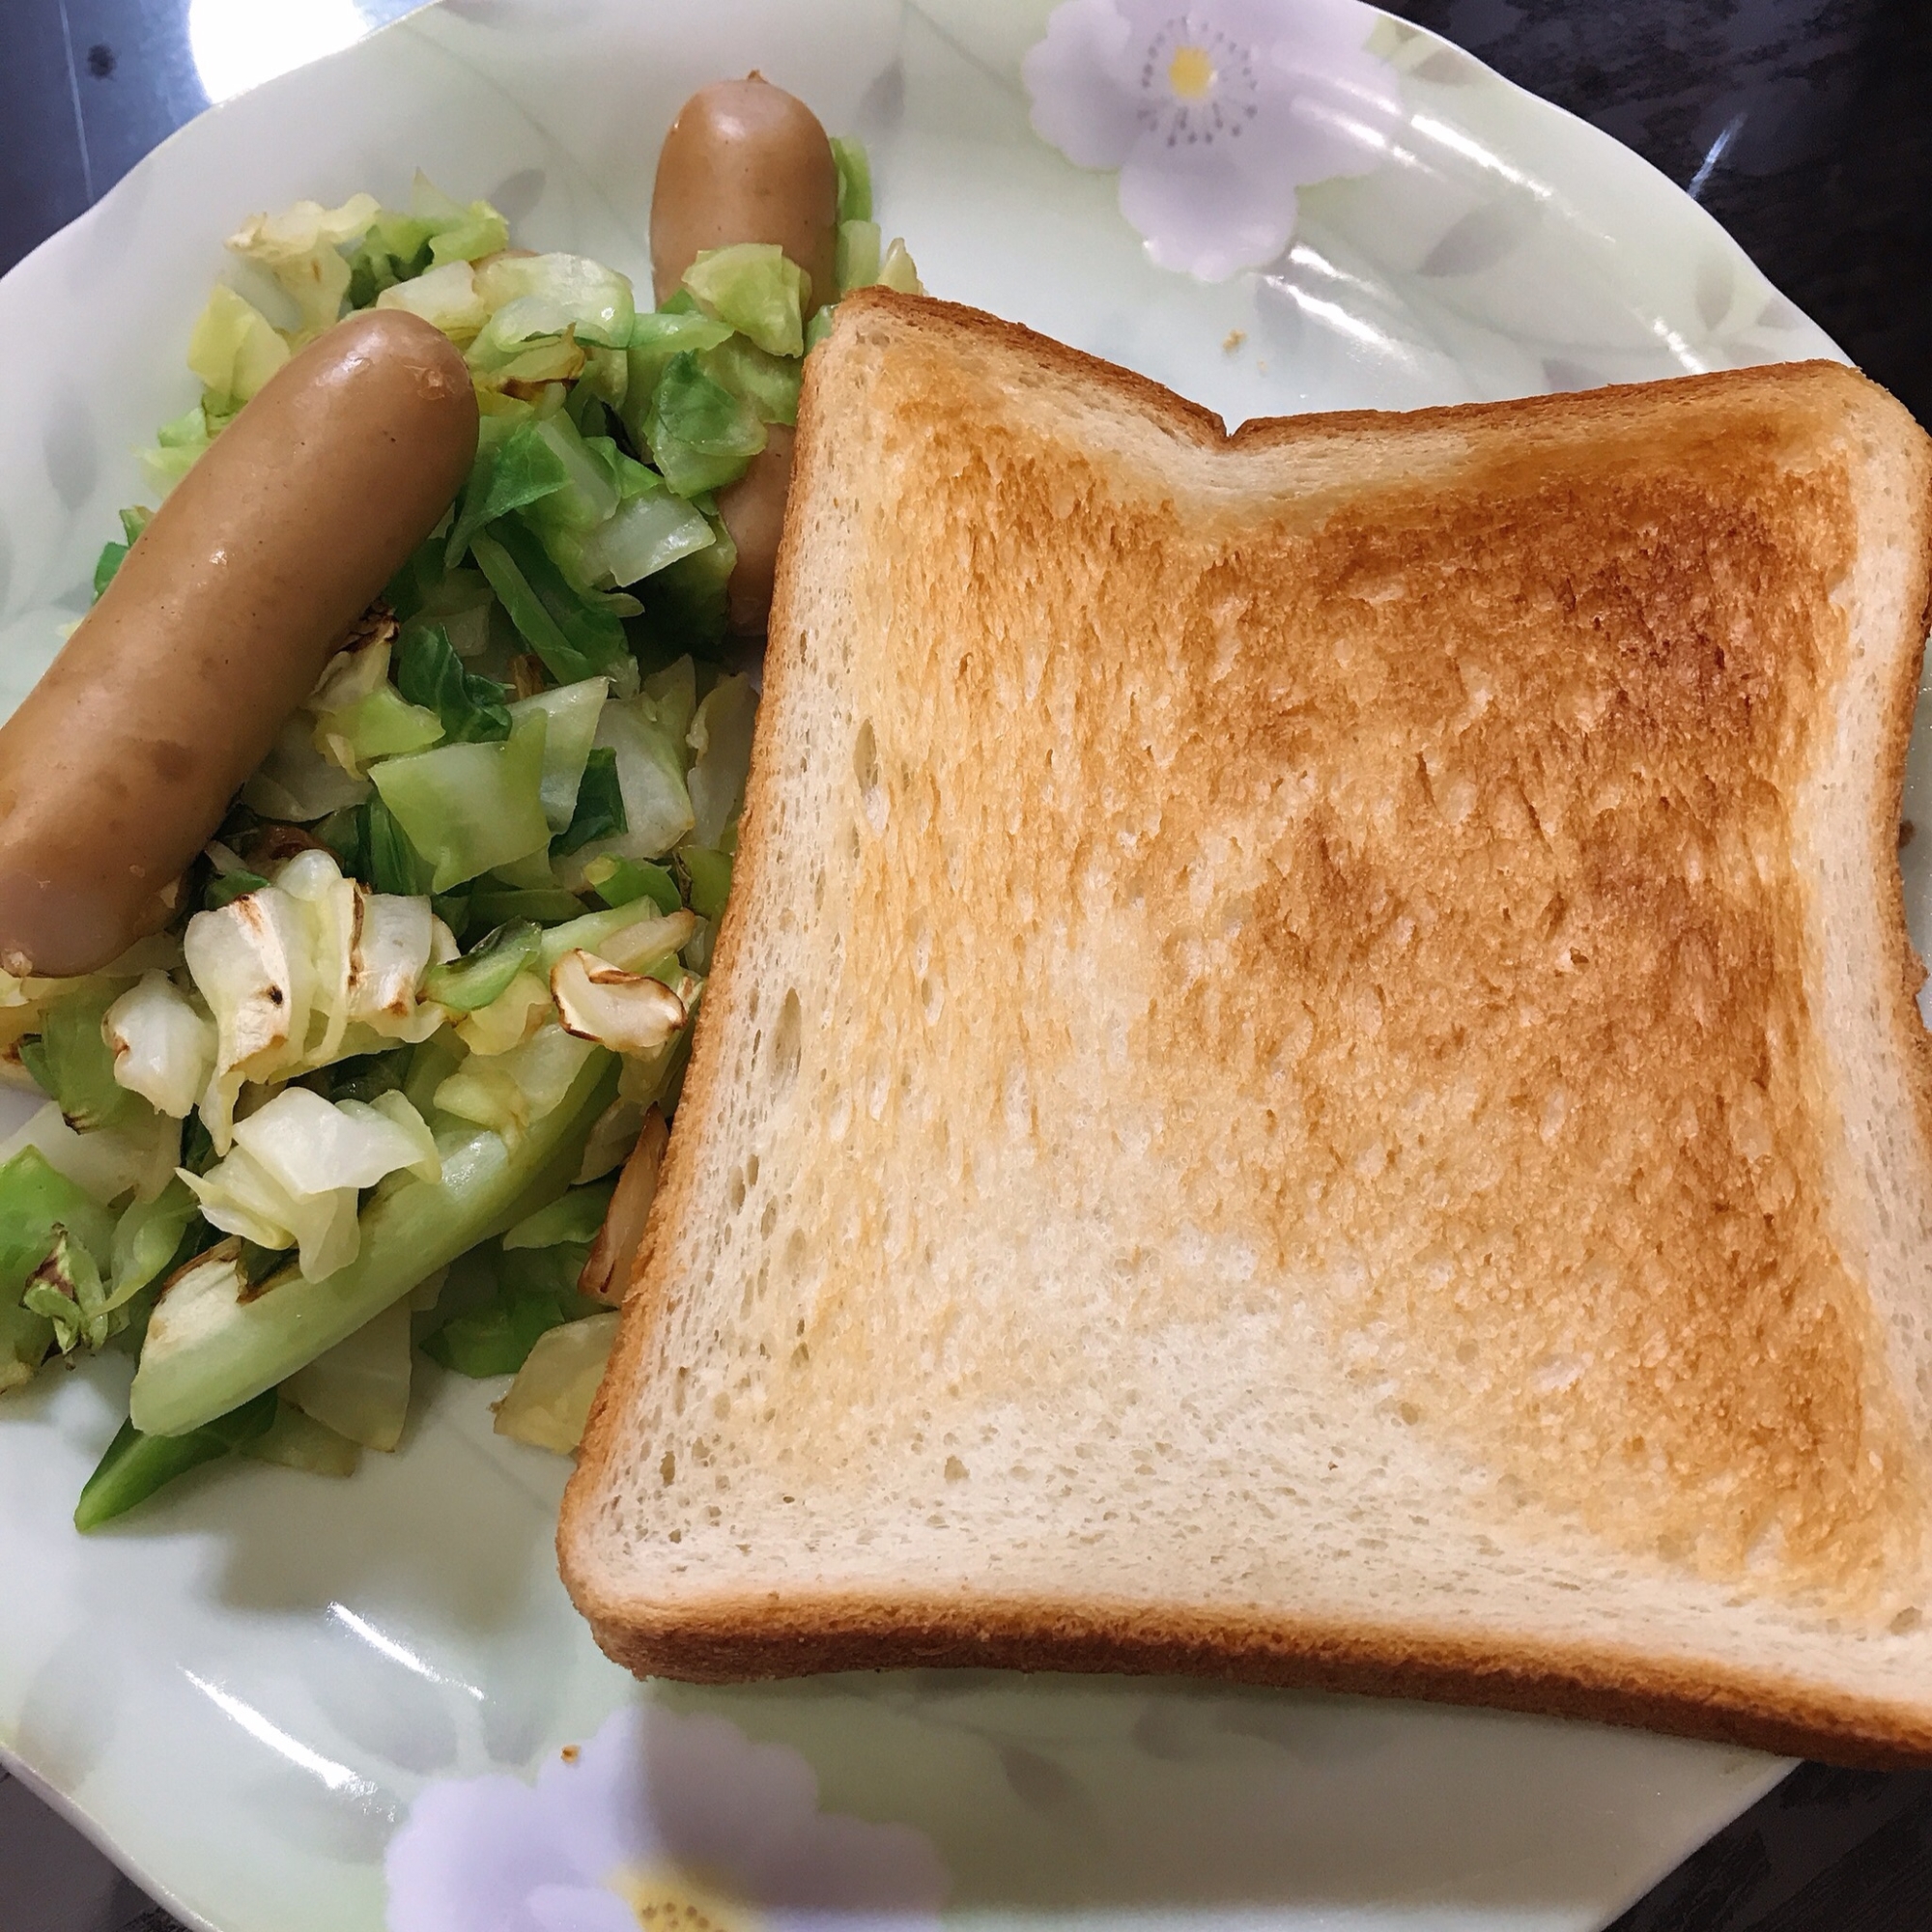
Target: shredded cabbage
{"points": [[294, 1440], [457, 230], [573, 1217], [627, 936], [588, 494], [360, 1388], [234, 347], [240, 1197], [163, 1049], [446, 296], [554, 293], [612, 1139], [855, 177], [383, 725], [720, 741], [673, 696], [288, 970], [177, 445], [483, 974], [469, 809], [600, 806], [507, 1092], [548, 1402], [650, 780], [863, 262], [506, 1019], [360, 667], [701, 435], [570, 712], [514, 466], [898, 273], [770, 384], [860, 247], [37, 1204], [297, 782], [469, 708], [312, 1145], [389, 956], [301, 247], [147, 1237], [642, 537], [572, 631], [249, 962], [329, 910], [67, 1292], [74, 1061], [109, 1163], [709, 874], [758, 289], [292, 1176]]}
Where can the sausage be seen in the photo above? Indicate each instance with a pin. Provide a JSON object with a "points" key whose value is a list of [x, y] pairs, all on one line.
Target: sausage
{"points": [[120, 762], [745, 161], [752, 510]]}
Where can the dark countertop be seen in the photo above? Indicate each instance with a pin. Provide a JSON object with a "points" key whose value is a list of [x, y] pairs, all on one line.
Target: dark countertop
{"points": [[1800, 123]]}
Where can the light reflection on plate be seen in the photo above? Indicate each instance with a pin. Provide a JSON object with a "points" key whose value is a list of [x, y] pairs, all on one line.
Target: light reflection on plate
{"points": [[237, 45]]}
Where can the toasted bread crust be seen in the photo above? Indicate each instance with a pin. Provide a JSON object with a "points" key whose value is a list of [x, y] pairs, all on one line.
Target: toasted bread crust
{"points": [[739, 1642], [722, 1634], [1914, 1040]]}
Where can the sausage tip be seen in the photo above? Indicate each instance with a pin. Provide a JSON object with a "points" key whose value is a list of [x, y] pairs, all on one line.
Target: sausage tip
{"points": [[744, 161]]}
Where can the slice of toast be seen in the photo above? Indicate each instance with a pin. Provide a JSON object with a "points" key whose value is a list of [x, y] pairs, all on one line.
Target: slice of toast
{"points": [[1313, 1071]]}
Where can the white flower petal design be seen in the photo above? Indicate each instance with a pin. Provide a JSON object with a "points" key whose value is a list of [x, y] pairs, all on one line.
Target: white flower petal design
{"points": [[1216, 112], [1207, 218], [1080, 78], [579, 1908], [470, 1858], [660, 1821]]}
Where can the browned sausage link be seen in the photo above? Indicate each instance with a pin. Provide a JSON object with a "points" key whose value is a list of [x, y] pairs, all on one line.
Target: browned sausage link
{"points": [[120, 762], [752, 510], [745, 161]]}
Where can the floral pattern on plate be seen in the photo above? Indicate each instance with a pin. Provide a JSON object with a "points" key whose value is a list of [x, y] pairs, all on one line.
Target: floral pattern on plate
{"points": [[674, 1824], [1216, 113]]}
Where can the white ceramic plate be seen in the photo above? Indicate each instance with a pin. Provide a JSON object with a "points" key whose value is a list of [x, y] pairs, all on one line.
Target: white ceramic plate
{"points": [[249, 1690]]}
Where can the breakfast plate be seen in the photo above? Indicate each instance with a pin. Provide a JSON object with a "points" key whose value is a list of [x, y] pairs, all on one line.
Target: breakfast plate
{"points": [[285, 1704]]}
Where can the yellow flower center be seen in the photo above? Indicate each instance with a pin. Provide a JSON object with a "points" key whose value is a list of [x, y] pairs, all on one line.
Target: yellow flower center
{"points": [[1190, 74], [666, 1899]]}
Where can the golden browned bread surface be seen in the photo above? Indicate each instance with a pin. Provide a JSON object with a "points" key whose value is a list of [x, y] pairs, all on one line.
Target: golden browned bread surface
{"points": [[1313, 1071]]}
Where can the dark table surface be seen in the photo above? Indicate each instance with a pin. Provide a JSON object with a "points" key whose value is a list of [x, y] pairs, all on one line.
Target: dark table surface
{"points": [[1801, 124]]}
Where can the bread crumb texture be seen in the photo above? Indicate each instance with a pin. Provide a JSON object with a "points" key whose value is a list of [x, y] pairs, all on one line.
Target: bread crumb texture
{"points": [[1270, 1045]]}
